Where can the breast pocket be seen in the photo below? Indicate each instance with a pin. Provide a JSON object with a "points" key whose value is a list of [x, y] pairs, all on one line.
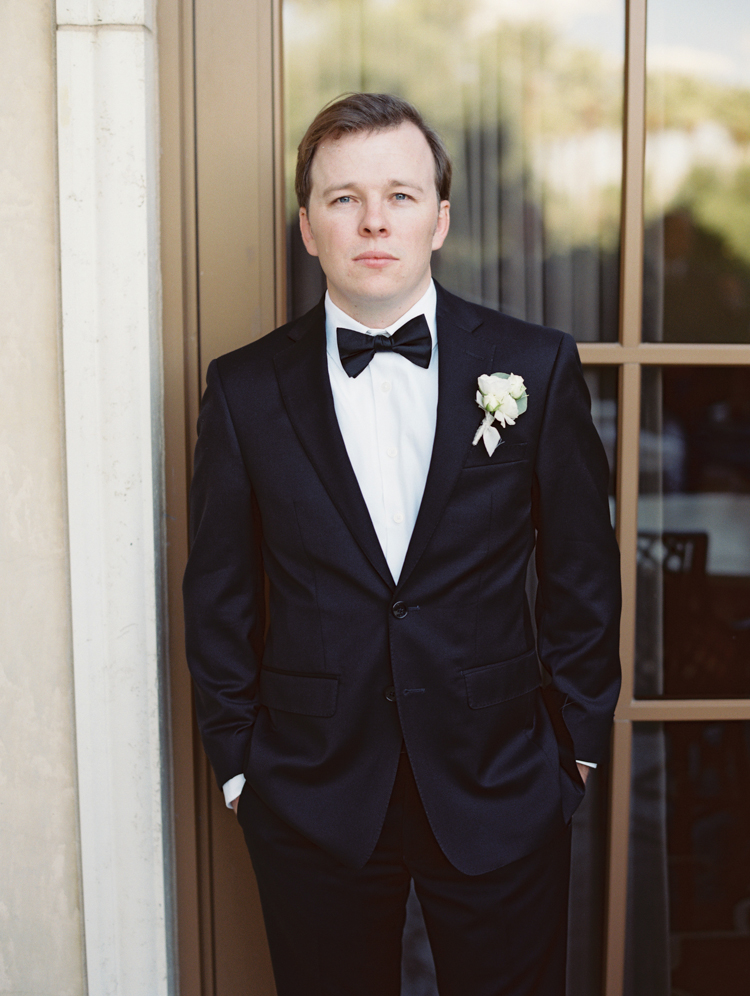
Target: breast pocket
{"points": [[504, 453]]}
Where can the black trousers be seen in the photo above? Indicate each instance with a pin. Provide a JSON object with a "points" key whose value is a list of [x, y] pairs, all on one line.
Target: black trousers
{"points": [[336, 931]]}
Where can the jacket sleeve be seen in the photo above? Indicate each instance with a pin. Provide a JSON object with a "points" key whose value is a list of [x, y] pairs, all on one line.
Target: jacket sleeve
{"points": [[578, 566], [223, 588]]}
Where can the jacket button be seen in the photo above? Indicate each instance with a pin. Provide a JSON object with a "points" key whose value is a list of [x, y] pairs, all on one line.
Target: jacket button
{"points": [[390, 693], [399, 610]]}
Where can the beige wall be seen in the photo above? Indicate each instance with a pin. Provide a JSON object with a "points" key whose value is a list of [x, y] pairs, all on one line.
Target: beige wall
{"points": [[40, 909]]}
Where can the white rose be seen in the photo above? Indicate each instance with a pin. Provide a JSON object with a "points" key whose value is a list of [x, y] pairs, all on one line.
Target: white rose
{"points": [[494, 393], [516, 386], [487, 383], [506, 411], [491, 403]]}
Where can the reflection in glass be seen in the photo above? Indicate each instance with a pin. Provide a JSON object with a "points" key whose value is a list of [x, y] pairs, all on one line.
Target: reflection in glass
{"points": [[688, 926], [528, 97], [693, 595], [697, 245]]}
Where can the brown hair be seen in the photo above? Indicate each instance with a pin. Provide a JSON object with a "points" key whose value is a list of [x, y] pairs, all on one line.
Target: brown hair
{"points": [[351, 113]]}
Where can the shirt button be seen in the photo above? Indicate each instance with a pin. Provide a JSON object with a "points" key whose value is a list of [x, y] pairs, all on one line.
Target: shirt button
{"points": [[398, 517], [399, 610], [390, 693], [385, 386], [392, 452]]}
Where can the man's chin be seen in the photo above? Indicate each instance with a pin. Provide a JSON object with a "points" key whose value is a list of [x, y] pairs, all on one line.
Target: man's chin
{"points": [[381, 292], [364, 295]]}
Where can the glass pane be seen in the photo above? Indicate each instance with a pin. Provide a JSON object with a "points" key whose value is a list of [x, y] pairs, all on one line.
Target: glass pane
{"points": [[697, 247], [528, 97], [693, 596], [688, 932]]}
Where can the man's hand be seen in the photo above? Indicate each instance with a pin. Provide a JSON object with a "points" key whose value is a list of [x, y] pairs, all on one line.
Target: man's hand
{"points": [[235, 803], [583, 770]]}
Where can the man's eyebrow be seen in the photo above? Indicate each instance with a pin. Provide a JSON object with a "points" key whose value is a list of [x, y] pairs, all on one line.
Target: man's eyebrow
{"points": [[352, 185], [406, 183], [337, 186]]}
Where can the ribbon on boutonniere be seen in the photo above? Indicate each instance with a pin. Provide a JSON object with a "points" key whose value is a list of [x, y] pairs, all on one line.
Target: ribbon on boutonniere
{"points": [[502, 397]]}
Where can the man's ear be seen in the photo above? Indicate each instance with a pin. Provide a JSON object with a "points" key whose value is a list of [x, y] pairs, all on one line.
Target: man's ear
{"points": [[443, 224], [307, 234]]}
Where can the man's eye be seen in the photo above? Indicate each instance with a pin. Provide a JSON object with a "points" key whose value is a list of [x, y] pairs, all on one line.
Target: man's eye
{"points": [[401, 197], [344, 199]]}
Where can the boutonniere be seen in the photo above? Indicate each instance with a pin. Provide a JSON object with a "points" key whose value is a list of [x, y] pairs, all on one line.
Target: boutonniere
{"points": [[503, 397]]}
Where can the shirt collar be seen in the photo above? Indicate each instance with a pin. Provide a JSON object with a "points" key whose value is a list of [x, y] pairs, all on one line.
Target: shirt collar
{"points": [[335, 317]]}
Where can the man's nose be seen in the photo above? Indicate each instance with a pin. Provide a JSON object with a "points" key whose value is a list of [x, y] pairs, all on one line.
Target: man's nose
{"points": [[373, 221]]}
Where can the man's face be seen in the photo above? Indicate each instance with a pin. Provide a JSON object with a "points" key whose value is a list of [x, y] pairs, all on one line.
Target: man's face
{"points": [[374, 219]]}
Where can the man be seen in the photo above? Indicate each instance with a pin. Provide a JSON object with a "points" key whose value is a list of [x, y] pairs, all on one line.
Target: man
{"points": [[391, 725]]}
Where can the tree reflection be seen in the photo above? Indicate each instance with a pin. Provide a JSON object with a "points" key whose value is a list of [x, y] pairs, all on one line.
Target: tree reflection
{"points": [[695, 289]]}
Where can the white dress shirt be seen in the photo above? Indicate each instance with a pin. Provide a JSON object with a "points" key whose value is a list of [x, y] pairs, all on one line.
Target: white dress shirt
{"points": [[387, 418]]}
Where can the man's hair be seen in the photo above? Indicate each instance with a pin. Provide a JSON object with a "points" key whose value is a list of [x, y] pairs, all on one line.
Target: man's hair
{"points": [[351, 113]]}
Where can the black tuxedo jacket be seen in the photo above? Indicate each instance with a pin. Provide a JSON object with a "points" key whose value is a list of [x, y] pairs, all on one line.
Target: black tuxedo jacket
{"points": [[314, 709]]}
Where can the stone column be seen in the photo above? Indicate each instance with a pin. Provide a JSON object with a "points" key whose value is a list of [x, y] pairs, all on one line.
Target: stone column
{"points": [[109, 250]]}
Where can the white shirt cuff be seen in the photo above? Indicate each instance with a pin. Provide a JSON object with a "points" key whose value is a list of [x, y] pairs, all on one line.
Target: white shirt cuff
{"points": [[589, 764], [232, 789]]}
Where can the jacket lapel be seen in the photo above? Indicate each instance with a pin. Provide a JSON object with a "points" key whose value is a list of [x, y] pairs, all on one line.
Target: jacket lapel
{"points": [[302, 373], [463, 354]]}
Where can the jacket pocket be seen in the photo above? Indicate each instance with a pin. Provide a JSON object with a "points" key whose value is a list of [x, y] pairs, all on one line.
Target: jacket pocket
{"points": [[505, 453], [304, 694], [492, 684]]}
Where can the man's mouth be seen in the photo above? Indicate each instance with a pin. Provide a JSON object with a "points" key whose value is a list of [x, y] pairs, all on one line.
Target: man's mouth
{"points": [[375, 259]]}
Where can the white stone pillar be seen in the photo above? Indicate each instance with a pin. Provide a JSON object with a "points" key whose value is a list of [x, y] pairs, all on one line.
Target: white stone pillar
{"points": [[107, 147]]}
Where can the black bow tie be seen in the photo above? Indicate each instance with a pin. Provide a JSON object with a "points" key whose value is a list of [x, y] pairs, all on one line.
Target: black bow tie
{"points": [[412, 340]]}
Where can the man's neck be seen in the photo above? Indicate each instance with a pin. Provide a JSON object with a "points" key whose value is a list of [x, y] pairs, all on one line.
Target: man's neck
{"points": [[377, 315]]}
